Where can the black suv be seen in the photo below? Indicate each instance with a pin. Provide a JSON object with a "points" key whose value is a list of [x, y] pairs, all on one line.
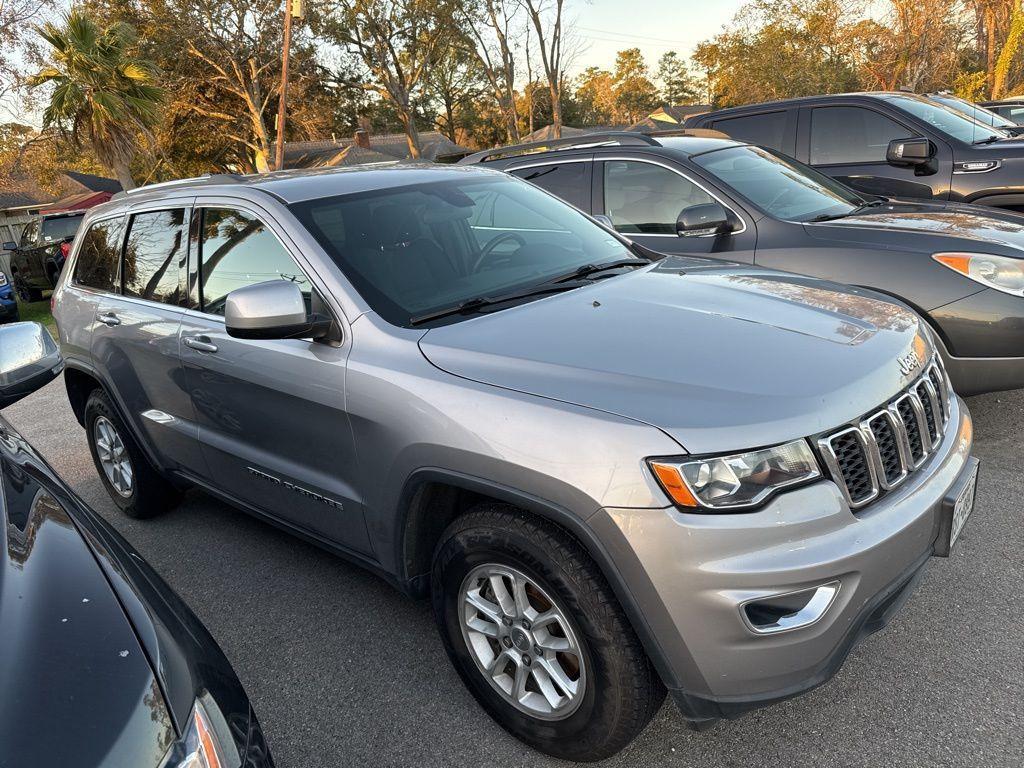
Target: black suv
{"points": [[36, 261], [960, 266], [893, 144]]}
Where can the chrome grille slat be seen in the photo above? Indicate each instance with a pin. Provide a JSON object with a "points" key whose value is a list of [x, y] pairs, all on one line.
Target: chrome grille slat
{"points": [[884, 448]]}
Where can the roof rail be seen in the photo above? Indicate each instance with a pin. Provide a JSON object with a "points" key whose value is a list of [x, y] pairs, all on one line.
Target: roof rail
{"points": [[217, 178], [599, 139]]}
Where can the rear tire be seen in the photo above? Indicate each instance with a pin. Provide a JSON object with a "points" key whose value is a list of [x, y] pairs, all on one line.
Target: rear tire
{"points": [[605, 687], [133, 484]]}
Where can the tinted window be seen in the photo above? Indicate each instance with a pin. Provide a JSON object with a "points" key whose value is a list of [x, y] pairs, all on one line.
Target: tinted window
{"points": [[98, 255], [569, 181], [943, 119], [237, 249], [852, 135], [60, 228], [154, 255], [777, 184], [420, 248], [643, 198], [768, 130]]}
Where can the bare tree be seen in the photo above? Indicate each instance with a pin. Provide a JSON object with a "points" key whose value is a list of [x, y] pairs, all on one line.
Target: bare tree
{"points": [[396, 40], [491, 25], [546, 18], [16, 18]]}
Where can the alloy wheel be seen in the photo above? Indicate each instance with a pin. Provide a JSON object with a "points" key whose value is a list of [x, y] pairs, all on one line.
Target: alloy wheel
{"points": [[113, 456], [522, 642]]}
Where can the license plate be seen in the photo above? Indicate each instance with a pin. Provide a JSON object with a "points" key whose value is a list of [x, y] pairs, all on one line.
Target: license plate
{"points": [[956, 509]]}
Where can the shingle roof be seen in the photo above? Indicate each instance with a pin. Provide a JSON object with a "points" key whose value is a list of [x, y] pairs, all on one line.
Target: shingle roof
{"points": [[325, 152], [94, 183]]}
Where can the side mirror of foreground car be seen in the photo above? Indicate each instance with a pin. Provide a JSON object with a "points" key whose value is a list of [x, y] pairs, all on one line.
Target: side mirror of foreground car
{"points": [[10, 246], [29, 359], [705, 219], [275, 309], [906, 153]]}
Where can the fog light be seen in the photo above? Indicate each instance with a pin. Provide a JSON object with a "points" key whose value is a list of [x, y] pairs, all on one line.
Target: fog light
{"points": [[789, 611]]}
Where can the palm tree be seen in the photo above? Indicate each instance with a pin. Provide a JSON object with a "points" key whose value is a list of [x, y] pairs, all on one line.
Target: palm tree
{"points": [[103, 95]]}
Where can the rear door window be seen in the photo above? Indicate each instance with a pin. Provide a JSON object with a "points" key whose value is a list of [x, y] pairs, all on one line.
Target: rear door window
{"points": [[236, 249], [98, 256], [646, 199], [29, 234], [569, 181], [852, 135], [767, 129], [154, 255]]}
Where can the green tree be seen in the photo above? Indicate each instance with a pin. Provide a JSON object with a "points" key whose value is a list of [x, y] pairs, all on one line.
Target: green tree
{"points": [[677, 84], [635, 94], [102, 93], [595, 96]]}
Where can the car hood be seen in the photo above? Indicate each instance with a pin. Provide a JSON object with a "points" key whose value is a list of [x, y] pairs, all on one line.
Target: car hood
{"points": [[77, 686], [719, 356], [930, 226]]}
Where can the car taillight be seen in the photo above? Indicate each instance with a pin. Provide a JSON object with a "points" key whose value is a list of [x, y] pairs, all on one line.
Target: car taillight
{"points": [[65, 249]]}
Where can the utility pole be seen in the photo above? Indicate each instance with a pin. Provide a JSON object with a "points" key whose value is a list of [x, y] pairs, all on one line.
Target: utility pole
{"points": [[291, 8]]}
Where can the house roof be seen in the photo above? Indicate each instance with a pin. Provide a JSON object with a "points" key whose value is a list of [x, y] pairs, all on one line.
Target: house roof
{"points": [[94, 183], [434, 146], [20, 192]]}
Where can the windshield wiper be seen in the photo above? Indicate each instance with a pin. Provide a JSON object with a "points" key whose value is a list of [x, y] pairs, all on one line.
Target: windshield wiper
{"points": [[592, 269], [472, 306], [859, 209], [988, 139]]}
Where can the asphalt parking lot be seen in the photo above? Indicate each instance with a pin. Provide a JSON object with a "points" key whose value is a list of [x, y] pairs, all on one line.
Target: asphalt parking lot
{"points": [[343, 670]]}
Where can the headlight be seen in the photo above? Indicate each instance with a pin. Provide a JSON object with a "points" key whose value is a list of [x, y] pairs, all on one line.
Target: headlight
{"points": [[737, 481], [207, 741], [1000, 272]]}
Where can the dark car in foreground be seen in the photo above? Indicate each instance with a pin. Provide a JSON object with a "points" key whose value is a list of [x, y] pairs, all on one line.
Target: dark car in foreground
{"points": [[959, 266], [101, 664], [892, 144], [8, 301], [38, 258]]}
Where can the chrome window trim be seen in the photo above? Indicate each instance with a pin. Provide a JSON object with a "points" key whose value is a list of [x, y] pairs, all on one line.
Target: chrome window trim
{"points": [[648, 161]]}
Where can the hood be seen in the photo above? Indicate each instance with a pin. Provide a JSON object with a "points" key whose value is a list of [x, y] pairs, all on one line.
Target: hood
{"points": [[721, 357], [77, 687], [931, 226]]}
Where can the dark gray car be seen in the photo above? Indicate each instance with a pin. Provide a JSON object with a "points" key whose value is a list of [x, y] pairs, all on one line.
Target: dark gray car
{"points": [[612, 476], [960, 266]]}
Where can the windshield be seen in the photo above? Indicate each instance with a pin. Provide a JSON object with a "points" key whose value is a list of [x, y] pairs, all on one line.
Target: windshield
{"points": [[980, 114], [779, 186], [414, 250], [60, 228], [946, 120]]}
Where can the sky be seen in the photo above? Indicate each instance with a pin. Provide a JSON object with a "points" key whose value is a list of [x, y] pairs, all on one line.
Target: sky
{"points": [[604, 27]]}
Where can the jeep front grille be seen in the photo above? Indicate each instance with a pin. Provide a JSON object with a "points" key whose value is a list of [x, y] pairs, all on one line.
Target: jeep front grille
{"points": [[878, 453]]}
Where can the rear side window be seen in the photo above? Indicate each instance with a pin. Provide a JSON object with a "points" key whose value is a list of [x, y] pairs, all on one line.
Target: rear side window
{"points": [[569, 181], [154, 255], [643, 198], [766, 130], [237, 250], [98, 255], [29, 234], [60, 228], [852, 135]]}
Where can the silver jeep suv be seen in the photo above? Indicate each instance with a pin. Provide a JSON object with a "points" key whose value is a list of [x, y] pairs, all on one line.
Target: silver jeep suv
{"points": [[613, 473]]}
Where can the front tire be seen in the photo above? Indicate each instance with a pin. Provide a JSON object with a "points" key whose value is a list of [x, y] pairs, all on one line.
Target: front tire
{"points": [[134, 486], [538, 637]]}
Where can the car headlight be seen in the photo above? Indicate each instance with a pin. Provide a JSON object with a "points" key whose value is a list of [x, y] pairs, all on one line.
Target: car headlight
{"points": [[1003, 273], [737, 481], [207, 741]]}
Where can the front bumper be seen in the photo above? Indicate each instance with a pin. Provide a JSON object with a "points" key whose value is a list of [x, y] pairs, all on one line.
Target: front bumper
{"points": [[690, 573]]}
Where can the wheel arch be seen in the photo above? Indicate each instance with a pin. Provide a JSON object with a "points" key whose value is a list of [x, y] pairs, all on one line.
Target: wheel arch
{"points": [[432, 498]]}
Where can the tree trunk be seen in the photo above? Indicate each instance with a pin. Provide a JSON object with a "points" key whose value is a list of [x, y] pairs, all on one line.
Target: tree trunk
{"points": [[556, 109], [123, 173], [412, 135]]}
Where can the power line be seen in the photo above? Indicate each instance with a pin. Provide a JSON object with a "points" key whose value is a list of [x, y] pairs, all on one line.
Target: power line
{"points": [[629, 34]]}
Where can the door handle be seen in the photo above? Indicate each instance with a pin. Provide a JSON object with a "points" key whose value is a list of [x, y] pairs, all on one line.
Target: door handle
{"points": [[108, 318], [200, 343]]}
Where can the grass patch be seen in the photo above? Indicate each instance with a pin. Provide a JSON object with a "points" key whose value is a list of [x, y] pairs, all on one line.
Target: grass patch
{"points": [[38, 311]]}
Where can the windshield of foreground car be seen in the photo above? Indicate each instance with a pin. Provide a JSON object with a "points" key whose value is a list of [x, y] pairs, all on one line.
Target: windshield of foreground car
{"points": [[946, 119], [779, 186], [412, 251]]}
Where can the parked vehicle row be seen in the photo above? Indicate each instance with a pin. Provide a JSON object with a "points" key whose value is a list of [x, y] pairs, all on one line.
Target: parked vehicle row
{"points": [[592, 456], [959, 266]]}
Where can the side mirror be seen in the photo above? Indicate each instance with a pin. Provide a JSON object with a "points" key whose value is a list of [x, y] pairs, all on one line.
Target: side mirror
{"points": [[29, 359], [10, 246], [272, 310], [703, 220], [906, 153], [604, 221]]}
